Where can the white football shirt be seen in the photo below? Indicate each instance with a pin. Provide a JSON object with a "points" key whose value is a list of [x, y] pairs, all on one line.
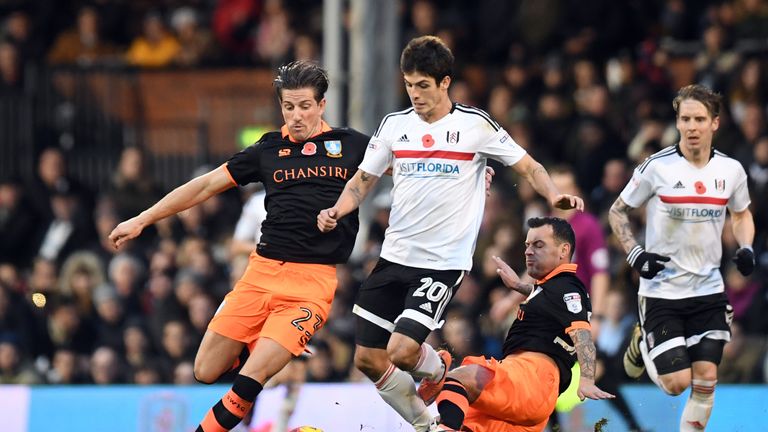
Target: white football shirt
{"points": [[438, 173], [685, 214]]}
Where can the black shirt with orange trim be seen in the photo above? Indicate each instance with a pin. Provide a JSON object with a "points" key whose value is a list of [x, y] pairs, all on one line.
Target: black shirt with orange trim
{"points": [[300, 179], [558, 304]]}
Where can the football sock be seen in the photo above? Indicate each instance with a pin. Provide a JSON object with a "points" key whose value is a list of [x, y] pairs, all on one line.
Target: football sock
{"points": [[699, 406], [430, 365], [231, 409], [452, 404], [398, 390]]}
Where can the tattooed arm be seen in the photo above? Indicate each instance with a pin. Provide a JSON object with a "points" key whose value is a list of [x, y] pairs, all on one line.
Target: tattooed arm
{"points": [[587, 357], [357, 188], [619, 219]]}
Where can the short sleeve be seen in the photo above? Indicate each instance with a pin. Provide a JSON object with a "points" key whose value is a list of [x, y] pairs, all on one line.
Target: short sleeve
{"points": [[739, 199], [571, 306], [244, 166], [378, 155], [639, 189], [499, 145]]}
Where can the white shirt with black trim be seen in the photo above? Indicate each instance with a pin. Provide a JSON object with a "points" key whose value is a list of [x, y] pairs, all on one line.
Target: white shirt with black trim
{"points": [[438, 172], [685, 213]]}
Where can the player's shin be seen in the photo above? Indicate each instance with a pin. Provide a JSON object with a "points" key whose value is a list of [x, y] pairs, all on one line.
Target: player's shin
{"points": [[398, 390], [231, 409], [452, 404], [699, 406], [430, 365]]}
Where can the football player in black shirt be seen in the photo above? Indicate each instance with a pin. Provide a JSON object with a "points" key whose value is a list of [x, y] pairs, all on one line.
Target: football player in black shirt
{"points": [[518, 393], [285, 294]]}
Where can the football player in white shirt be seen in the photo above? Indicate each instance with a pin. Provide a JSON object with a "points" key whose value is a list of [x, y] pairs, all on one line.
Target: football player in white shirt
{"points": [[684, 312], [438, 152]]}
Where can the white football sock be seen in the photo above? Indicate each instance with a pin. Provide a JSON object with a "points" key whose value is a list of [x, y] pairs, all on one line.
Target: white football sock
{"points": [[399, 391], [430, 365], [699, 406]]}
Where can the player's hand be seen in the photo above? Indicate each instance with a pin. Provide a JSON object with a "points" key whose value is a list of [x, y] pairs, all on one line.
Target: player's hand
{"points": [[125, 231], [588, 389], [326, 220], [508, 276], [489, 173], [648, 264], [745, 260], [568, 202]]}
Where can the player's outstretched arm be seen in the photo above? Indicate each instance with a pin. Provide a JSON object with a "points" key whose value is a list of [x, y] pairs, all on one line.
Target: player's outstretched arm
{"points": [[537, 175], [587, 357], [183, 197], [355, 191], [647, 264]]}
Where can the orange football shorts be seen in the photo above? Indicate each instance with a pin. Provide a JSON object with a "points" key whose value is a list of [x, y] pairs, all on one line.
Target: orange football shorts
{"points": [[286, 302], [519, 398]]}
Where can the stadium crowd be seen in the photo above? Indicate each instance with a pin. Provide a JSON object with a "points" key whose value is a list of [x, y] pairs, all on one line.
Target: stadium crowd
{"points": [[584, 86]]}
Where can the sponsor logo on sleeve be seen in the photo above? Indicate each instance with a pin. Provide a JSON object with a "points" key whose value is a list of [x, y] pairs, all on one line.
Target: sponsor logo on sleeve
{"points": [[573, 302]]}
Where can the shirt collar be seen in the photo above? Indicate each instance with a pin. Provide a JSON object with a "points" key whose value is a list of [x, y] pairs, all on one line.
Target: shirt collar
{"points": [[562, 268], [323, 129], [680, 152]]}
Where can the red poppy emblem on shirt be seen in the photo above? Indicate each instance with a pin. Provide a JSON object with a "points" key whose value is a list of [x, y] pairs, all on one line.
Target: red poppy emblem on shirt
{"points": [[427, 141], [309, 149], [700, 188]]}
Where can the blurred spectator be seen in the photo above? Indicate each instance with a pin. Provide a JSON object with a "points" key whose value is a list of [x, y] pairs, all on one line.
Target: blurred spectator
{"points": [[274, 36], [110, 322], [176, 345], [201, 310], [126, 273], [106, 367], [184, 373], [615, 176], [195, 43], [10, 68], [156, 47], [18, 224], [247, 231], [132, 188], [138, 348], [67, 329], [233, 25], [52, 178], [13, 368], [741, 357], [81, 273], [65, 368], [82, 45], [69, 230]]}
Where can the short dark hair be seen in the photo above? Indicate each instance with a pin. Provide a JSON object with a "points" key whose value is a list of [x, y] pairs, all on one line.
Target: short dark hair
{"points": [[427, 55], [561, 229], [301, 74], [698, 92]]}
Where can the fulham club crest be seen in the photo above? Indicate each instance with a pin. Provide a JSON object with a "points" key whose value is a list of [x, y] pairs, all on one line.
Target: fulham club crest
{"points": [[720, 185], [452, 137]]}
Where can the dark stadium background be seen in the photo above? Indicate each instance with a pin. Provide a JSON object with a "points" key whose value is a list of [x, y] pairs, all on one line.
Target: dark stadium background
{"points": [[96, 124]]}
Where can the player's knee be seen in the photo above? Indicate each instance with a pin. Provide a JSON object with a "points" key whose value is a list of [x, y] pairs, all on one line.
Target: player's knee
{"points": [[675, 386], [205, 375]]}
